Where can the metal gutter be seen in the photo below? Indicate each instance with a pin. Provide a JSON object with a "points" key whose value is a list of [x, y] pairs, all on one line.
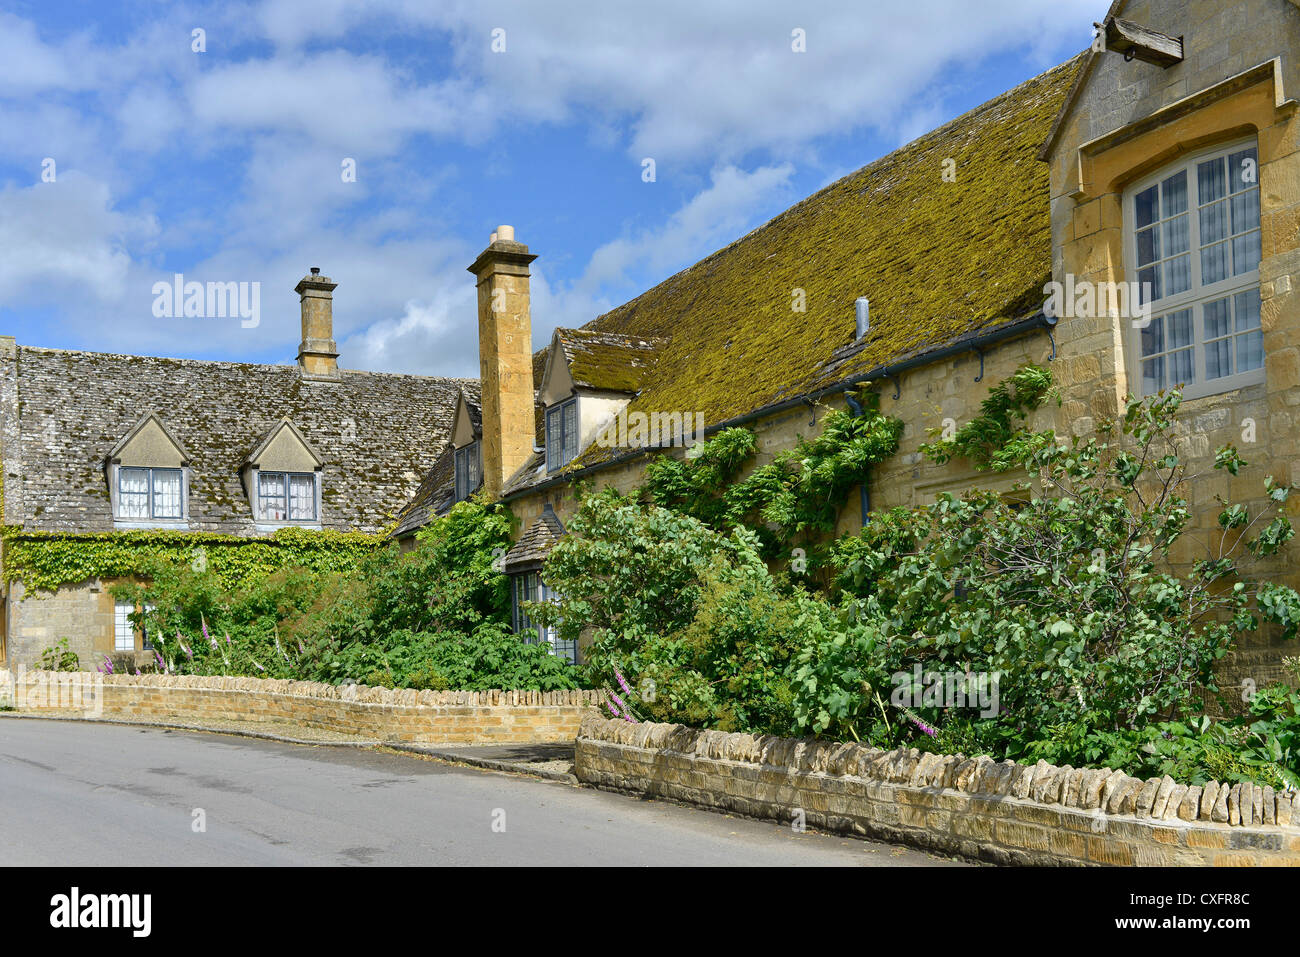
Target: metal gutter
{"points": [[975, 343]]}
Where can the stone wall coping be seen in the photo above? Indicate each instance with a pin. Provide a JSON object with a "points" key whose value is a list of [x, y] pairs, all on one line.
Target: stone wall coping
{"points": [[351, 694], [1098, 790]]}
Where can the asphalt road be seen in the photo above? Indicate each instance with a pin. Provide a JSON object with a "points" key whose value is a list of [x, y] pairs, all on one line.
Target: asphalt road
{"points": [[76, 794]]}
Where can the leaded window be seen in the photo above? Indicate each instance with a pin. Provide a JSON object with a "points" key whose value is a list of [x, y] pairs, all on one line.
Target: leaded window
{"points": [[527, 587], [561, 434], [469, 470], [1194, 246]]}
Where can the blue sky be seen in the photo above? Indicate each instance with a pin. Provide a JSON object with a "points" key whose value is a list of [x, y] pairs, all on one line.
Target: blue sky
{"points": [[225, 165]]}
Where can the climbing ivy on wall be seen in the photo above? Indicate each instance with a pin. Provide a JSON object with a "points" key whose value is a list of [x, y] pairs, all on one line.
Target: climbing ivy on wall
{"points": [[45, 560], [797, 495], [988, 440]]}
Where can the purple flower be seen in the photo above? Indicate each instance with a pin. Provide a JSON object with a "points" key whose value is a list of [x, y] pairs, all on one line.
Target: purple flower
{"points": [[137, 672], [621, 703], [621, 683], [158, 658], [922, 725], [108, 665], [227, 637], [257, 666], [611, 710]]}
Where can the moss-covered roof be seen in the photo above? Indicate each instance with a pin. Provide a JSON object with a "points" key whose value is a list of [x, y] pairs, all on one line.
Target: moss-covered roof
{"points": [[608, 361], [66, 411], [938, 258]]}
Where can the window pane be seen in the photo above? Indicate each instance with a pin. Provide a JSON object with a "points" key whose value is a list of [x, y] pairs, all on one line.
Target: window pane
{"points": [[302, 498], [1212, 184], [1153, 376], [570, 430], [1245, 253], [123, 632], [1147, 207], [1243, 167], [1214, 223], [1218, 359], [1177, 236], [1246, 308], [462, 477], [1217, 318], [1149, 284], [475, 466], [1181, 370], [554, 437], [166, 493], [1179, 333], [1245, 211], [1214, 263], [1250, 351], [133, 493], [270, 493], [1153, 340], [1173, 198], [1178, 275], [1148, 246]]}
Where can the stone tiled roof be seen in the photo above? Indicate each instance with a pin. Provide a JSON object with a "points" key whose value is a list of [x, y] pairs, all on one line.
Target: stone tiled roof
{"points": [[609, 361], [64, 412], [939, 260], [535, 543]]}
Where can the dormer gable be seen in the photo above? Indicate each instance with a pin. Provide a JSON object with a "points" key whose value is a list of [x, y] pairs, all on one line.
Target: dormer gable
{"points": [[149, 444], [284, 449], [148, 477], [466, 422], [282, 477]]}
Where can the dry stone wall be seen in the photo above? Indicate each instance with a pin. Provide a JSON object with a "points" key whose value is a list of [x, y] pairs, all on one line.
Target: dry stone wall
{"points": [[1003, 812], [397, 715]]}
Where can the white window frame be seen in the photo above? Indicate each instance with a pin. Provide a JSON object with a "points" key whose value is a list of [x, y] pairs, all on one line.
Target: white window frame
{"points": [[530, 586], [150, 519], [560, 459], [470, 454], [287, 477], [1197, 296], [122, 612]]}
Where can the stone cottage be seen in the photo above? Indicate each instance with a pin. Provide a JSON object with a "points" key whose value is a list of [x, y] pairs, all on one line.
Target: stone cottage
{"points": [[96, 447], [1162, 161]]}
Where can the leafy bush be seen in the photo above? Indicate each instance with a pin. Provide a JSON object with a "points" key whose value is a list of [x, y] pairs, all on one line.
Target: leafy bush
{"points": [[60, 658], [434, 617]]}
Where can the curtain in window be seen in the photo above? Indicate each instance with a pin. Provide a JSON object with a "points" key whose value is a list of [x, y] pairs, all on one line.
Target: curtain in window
{"points": [[166, 493], [270, 493], [302, 498], [133, 493]]}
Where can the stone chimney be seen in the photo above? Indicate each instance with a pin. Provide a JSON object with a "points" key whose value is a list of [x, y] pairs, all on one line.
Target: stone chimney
{"points": [[505, 350], [318, 354]]}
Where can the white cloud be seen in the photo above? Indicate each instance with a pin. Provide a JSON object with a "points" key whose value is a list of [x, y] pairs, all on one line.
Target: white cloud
{"points": [[711, 218], [66, 234]]}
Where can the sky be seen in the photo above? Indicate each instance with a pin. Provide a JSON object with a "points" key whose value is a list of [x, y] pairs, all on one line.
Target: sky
{"points": [[383, 142]]}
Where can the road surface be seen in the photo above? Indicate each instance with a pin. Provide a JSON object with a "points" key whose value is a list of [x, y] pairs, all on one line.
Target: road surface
{"points": [[75, 794]]}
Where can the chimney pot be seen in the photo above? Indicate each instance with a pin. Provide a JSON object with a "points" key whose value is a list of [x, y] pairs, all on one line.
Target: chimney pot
{"points": [[318, 355], [504, 234]]}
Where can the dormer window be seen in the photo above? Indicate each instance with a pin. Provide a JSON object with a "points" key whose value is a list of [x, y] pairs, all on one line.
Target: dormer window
{"points": [[283, 478], [148, 477], [469, 470], [149, 494], [561, 434], [286, 496]]}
